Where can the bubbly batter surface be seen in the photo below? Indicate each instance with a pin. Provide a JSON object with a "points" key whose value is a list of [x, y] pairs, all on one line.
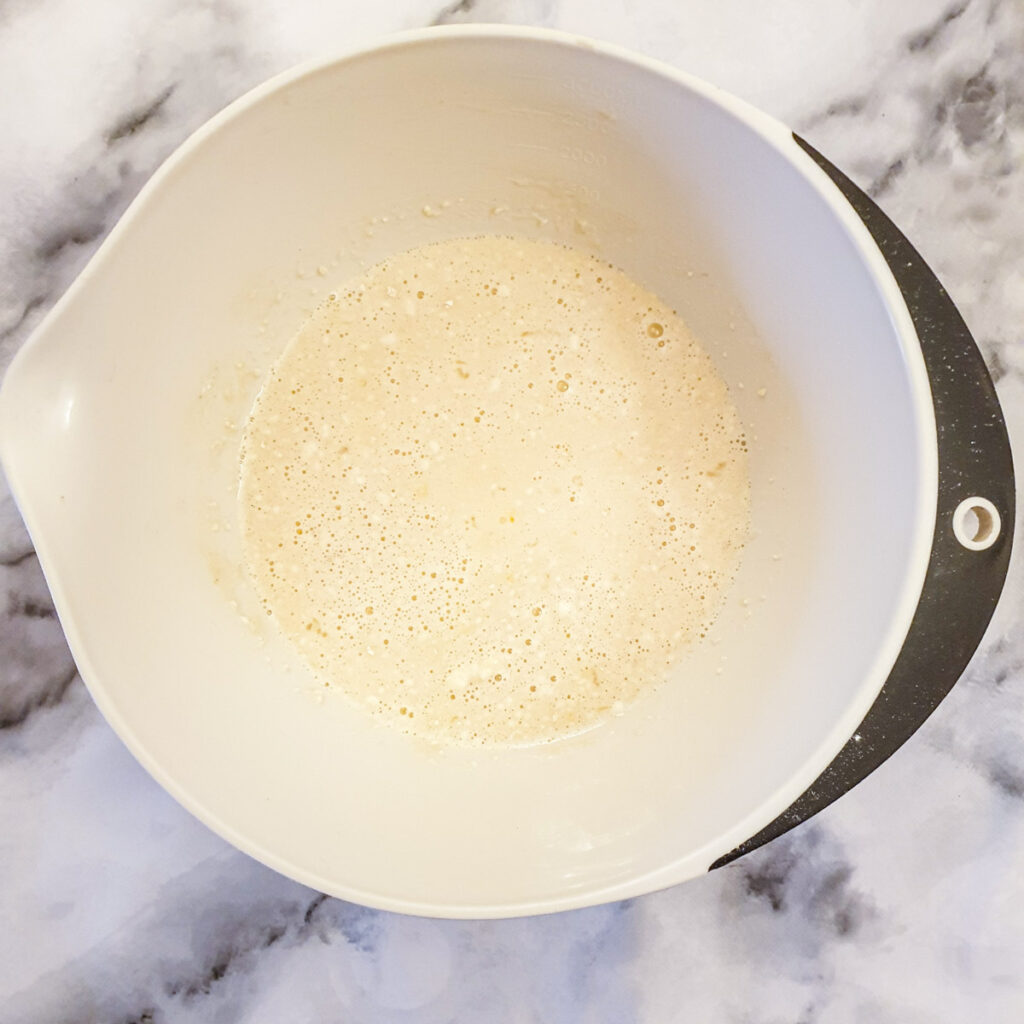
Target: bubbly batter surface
{"points": [[492, 489]]}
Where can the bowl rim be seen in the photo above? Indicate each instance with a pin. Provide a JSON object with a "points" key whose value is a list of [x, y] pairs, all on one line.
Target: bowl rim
{"points": [[780, 138]]}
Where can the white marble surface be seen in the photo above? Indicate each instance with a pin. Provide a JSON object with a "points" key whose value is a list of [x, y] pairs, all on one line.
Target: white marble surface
{"points": [[902, 903]]}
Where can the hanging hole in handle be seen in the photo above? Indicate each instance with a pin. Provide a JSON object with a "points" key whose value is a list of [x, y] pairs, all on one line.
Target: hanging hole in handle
{"points": [[976, 523]]}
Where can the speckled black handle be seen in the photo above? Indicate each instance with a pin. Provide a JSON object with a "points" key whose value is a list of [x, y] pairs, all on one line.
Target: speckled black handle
{"points": [[961, 586]]}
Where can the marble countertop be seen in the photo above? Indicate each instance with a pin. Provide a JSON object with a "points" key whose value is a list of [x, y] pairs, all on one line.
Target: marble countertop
{"points": [[903, 903]]}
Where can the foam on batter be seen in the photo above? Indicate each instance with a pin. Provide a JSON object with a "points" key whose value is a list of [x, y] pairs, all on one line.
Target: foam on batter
{"points": [[493, 489]]}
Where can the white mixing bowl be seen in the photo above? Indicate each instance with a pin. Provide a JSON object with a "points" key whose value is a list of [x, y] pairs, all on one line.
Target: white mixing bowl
{"points": [[120, 424]]}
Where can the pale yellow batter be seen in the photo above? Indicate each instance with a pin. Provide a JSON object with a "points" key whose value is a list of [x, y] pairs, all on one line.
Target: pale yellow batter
{"points": [[492, 489]]}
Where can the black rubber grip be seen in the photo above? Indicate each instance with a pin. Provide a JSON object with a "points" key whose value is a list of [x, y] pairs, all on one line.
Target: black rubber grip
{"points": [[961, 586]]}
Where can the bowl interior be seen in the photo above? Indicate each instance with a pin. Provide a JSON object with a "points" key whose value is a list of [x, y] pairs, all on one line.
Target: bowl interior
{"points": [[121, 421]]}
